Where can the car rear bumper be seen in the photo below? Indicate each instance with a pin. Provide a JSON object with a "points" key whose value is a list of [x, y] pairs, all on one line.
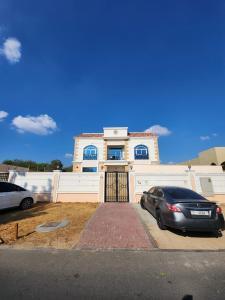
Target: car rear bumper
{"points": [[179, 221]]}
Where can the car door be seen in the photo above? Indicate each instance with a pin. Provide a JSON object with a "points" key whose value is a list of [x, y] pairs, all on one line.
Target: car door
{"points": [[157, 200], [150, 196], [10, 195], [5, 201], [153, 200]]}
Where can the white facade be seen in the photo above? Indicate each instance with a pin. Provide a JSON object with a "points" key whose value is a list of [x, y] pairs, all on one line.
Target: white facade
{"points": [[115, 146]]}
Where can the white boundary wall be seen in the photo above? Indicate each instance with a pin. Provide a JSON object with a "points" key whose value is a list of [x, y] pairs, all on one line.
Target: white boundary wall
{"points": [[78, 183], [32, 181], [218, 182], [39, 183], [57, 186], [143, 182]]}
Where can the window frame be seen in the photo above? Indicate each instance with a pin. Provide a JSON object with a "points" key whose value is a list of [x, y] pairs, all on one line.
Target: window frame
{"points": [[95, 170], [141, 155], [112, 156], [90, 156]]}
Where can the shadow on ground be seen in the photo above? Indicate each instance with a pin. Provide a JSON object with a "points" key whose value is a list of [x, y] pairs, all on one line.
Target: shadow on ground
{"points": [[15, 214], [196, 234]]}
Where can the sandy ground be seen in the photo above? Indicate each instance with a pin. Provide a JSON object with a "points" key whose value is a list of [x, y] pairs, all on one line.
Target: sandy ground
{"points": [[168, 239], [76, 213]]}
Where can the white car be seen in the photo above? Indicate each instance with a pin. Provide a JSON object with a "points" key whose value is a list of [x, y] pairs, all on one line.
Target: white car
{"points": [[12, 195]]}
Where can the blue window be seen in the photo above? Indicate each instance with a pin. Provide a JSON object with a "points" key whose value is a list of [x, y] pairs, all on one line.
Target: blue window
{"points": [[141, 152], [90, 153], [115, 153], [89, 169]]}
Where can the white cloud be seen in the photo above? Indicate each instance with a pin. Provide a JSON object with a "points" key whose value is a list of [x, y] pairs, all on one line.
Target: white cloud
{"points": [[3, 115], [171, 163], [159, 130], [68, 155], [41, 125], [11, 50], [205, 137], [208, 137]]}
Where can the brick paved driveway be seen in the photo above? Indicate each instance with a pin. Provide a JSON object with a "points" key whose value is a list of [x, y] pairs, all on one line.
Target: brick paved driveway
{"points": [[115, 226]]}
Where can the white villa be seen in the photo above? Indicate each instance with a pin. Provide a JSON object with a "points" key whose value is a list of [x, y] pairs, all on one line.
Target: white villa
{"points": [[116, 149], [118, 166]]}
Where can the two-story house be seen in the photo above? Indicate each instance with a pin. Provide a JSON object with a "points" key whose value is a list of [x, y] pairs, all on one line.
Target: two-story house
{"points": [[114, 150]]}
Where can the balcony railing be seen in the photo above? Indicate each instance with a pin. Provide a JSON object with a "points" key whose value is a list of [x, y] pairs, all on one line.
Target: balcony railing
{"points": [[90, 157], [142, 156], [114, 157]]}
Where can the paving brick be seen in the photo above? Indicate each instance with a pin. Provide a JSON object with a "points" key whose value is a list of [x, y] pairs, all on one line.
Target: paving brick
{"points": [[114, 226]]}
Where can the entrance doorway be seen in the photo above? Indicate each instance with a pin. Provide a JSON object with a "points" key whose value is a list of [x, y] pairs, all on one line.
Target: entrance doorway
{"points": [[116, 187]]}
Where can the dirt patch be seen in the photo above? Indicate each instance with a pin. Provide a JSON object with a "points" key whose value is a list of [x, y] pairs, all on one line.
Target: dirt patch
{"points": [[76, 213]]}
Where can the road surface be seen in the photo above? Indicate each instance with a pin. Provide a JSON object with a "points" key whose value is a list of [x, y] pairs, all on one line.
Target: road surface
{"points": [[73, 274]]}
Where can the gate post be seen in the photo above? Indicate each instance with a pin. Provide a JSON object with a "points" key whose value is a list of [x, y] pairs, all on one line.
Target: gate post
{"points": [[55, 185], [131, 180], [101, 193]]}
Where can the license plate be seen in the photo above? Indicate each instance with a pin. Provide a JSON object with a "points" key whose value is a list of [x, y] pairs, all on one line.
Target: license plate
{"points": [[200, 213]]}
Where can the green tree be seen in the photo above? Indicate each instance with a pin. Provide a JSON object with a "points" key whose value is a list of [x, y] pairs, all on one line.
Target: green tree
{"points": [[35, 166], [56, 164], [68, 169]]}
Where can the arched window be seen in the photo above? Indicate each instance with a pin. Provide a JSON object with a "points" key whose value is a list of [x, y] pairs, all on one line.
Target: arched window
{"points": [[141, 152], [90, 153]]}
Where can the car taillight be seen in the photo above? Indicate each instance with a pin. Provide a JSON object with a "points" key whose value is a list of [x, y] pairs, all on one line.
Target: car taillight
{"points": [[219, 210], [173, 208]]}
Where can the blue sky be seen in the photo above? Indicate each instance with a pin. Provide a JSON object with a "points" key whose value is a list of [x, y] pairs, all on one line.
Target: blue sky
{"points": [[76, 66]]}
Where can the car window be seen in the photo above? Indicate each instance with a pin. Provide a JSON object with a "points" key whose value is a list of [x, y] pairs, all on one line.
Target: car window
{"points": [[159, 193], [6, 187], [2, 187], [151, 190], [17, 187], [155, 193], [183, 194]]}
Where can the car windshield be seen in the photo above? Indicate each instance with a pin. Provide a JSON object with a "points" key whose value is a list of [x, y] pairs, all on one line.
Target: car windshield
{"points": [[183, 194]]}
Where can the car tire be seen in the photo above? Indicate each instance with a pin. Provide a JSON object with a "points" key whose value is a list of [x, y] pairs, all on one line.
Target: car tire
{"points": [[159, 220], [218, 233], [142, 203], [26, 203]]}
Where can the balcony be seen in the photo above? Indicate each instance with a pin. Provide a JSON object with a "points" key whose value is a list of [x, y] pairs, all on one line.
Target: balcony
{"points": [[90, 157], [115, 153]]}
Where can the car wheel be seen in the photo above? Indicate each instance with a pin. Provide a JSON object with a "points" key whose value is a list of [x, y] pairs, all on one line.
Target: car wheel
{"points": [[26, 203], [218, 233], [142, 203], [159, 220]]}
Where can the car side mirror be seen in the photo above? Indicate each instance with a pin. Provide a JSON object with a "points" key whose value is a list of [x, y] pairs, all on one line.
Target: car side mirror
{"points": [[145, 192]]}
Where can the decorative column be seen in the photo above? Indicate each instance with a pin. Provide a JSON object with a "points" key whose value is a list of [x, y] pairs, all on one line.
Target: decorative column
{"points": [[131, 179], [55, 185], [101, 193]]}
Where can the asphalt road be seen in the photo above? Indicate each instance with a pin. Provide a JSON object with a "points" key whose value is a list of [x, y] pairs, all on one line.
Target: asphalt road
{"points": [[72, 274]]}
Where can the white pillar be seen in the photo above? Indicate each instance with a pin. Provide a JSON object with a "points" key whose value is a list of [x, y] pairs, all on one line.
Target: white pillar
{"points": [[55, 185]]}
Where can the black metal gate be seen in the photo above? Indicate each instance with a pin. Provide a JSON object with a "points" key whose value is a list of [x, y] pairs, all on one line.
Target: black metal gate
{"points": [[4, 176], [116, 187]]}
